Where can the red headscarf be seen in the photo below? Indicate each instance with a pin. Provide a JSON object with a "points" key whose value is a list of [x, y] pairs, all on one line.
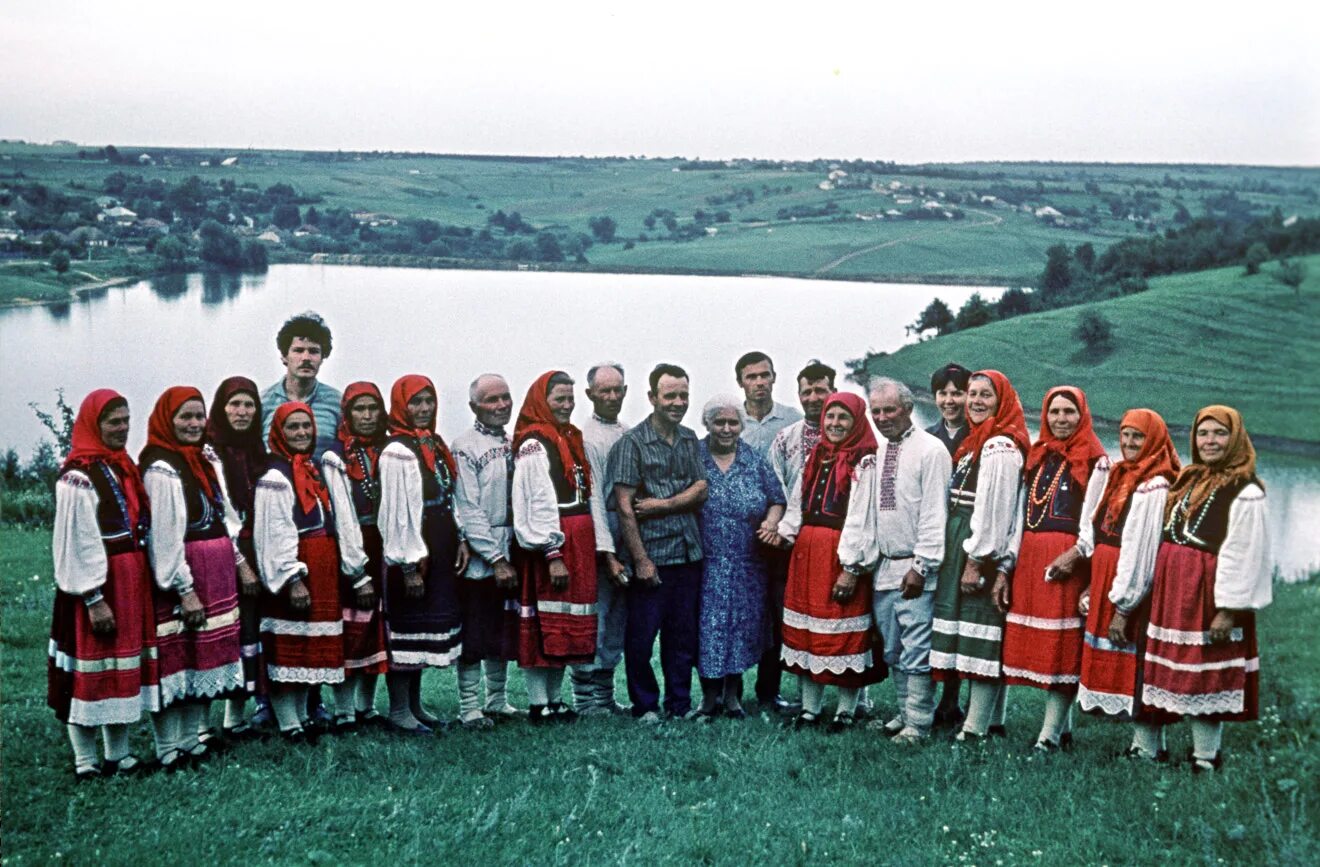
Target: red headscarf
{"points": [[1157, 457], [307, 481], [88, 448], [1008, 420], [1080, 450], [428, 441], [535, 417], [1200, 478], [160, 435], [351, 441], [859, 443], [242, 454]]}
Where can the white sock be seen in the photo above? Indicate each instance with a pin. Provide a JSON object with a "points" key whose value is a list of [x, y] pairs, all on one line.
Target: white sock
{"points": [[900, 698], [1057, 705], [813, 694], [1001, 704], [116, 741], [192, 719], [554, 685], [83, 739], [165, 726], [848, 696], [285, 701], [1148, 739], [920, 713], [469, 691], [234, 708], [366, 694], [982, 698], [864, 698], [345, 694], [1206, 738], [538, 690], [497, 680]]}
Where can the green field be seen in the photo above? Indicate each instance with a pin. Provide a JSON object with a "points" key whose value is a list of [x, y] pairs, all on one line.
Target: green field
{"points": [[1190, 340], [609, 791]]}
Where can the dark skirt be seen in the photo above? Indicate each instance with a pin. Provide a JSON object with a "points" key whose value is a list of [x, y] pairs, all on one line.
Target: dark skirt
{"points": [[490, 620], [968, 630], [364, 631], [558, 627], [426, 632]]}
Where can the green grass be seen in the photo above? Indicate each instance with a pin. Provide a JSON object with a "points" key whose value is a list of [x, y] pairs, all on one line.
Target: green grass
{"points": [[608, 791], [36, 281], [1190, 340]]}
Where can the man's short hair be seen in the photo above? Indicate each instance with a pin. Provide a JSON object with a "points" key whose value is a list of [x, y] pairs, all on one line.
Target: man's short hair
{"points": [[557, 378], [904, 393], [817, 369], [955, 373], [748, 359], [309, 326], [598, 367], [474, 389], [665, 369]]}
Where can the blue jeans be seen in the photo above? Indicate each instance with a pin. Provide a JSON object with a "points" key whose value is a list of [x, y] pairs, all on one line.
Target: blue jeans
{"points": [[670, 611]]}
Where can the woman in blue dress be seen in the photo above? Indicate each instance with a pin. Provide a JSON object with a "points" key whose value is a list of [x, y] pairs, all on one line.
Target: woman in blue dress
{"points": [[744, 505]]}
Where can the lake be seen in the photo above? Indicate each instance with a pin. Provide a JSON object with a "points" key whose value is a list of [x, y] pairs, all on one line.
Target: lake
{"points": [[453, 325]]}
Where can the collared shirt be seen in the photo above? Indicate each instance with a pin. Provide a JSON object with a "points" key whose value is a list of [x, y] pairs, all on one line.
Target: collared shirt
{"points": [[324, 401], [598, 438], [788, 454], [481, 495], [951, 441], [759, 434], [642, 460]]}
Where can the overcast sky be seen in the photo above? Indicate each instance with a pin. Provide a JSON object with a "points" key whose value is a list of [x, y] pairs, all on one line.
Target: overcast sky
{"points": [[1112, 81]]}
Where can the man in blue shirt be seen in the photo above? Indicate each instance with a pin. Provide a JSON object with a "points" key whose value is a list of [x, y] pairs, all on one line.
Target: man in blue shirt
{"points": [[304, 343], [765, 416]]}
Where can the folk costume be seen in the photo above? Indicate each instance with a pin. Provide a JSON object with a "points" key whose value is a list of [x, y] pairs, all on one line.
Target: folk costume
{"points": [[556, 516], [827, 641], [418, 526], [98, 546], [984, 505], [1214, 558], [193, 548]]}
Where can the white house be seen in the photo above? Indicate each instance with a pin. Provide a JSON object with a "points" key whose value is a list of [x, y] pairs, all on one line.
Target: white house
{"points": [[1048, 213], [229, 161]]}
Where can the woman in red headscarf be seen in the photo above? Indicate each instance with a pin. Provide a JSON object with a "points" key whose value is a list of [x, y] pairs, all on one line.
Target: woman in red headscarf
{"points": [[1120, 533], [827, 610], [101, 669], [556, 554], [424, 551], [1212, 573], [303, 545], [195, 561], [1042, 630], [979, 545]]}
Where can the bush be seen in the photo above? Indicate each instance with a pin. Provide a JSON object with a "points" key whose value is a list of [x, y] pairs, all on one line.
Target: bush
{"points": [[1094, 331], [1257, 254], [59, 260], [1291, 274]]}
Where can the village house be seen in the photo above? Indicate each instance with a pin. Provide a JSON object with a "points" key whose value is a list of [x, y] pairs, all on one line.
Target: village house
{"points": [[118, 215]]}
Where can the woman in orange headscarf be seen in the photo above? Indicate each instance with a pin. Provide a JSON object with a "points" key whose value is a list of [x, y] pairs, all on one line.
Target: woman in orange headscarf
{"points": [[424, 551], [1120, 533], [1212, 573], [1042, 630], [979, 544]]}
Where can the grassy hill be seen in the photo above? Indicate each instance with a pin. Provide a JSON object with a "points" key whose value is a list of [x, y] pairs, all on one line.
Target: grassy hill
{"points": [[1190, 340]]}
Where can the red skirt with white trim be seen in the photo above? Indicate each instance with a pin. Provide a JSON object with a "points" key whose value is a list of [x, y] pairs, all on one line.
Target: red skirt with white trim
{"points": [[1043, 630], [1109, 671], [826, 640], [203, 663], [1183, 674], [558, 627], [307, 648], [364, 631]]}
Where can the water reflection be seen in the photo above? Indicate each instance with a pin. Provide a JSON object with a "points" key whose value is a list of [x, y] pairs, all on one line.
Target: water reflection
{"points": [[59, 310], [170, 287], [220, 286]]}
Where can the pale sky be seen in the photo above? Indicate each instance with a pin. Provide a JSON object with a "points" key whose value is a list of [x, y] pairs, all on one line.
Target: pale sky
{"points": [[1114, 81]]}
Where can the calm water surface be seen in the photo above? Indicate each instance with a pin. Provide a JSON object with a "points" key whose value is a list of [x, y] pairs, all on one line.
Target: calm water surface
{"points": [[454, 325]]}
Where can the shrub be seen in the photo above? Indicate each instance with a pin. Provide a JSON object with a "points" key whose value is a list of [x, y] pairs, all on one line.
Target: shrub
{"points": [[1094, 331]]}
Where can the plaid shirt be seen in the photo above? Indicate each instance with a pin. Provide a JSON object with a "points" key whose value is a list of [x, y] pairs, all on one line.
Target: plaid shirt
{"points": [[642, 460]]}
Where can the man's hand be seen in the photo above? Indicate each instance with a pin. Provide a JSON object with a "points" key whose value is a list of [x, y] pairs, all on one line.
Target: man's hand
{"points": [[365, 597], [461, 561], [558, 574], [617, 572], [1221, 628], [844, 586], [646, 508], [506, 577], [914, 584], [191, 611], [102, 618], [300, 601], [647, 574], [248, 582], [1002, 592]]}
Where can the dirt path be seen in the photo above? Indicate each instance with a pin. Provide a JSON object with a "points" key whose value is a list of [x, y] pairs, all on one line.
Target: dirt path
{"points": [[993, 220]]}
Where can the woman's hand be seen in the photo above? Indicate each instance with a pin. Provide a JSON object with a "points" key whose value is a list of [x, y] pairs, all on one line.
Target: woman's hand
{"points": [[558, 574], [1221, 628], [1002, 592], [191, 611], [413, 585], [972, 581], [844, 586], [1084, 603], [300, 601], [1063, 565], [506, 577], [461, 561], [248, 582], [1118, 629], [102, 618], [365, 597]]}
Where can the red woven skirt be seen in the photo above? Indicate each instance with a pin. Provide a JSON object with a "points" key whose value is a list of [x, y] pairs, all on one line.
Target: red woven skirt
{"points": [[558, 627], [95, 680], [1109, 671], [202, 663], [364, 631], [1183, 674], [1042, 630], [307, 648], [828, 641]]}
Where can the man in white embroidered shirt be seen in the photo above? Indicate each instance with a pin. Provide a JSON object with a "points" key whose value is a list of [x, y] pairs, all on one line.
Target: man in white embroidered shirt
{"points": [[895, 531]]}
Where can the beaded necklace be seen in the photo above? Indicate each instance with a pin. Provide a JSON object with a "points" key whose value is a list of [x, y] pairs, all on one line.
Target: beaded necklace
{"points": [[1177, 527], [1042, 501], [965, 467], [370, 484]]}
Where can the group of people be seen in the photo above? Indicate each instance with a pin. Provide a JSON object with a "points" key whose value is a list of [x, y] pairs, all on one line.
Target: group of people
{"points": [[297, 538]]}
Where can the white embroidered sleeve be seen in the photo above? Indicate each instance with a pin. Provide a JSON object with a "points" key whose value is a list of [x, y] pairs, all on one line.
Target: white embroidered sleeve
{"points": [[1139, 544], [995, 523], [169, 521], [274, 533], [936, 470], [232, 521], [859, 542], [535, 504], [400, 514], [791, 524], [1244, 577], [348, 532], [1095, 491], [80, 560], [469, 510]]}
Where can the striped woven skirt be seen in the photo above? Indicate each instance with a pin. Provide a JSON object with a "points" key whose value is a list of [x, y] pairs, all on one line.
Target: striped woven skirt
{"points": [[364, 631], [203, 663], [1110, 672], [1043, 629], [426, 632], [307, 648], [968, 630], [558, 627]]}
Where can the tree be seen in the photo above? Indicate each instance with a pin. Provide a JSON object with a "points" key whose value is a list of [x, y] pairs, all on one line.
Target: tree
{"points": [[548, 249], [1094, 331], [1084, 256], [975, 313], [255, 257], [1057, 276], [59, 260], [936, 317], [603, 228], [219, 246], [1291, 273], [286, 216], [1014, 302], [313, 217], [1257, 255], [172, 253]]}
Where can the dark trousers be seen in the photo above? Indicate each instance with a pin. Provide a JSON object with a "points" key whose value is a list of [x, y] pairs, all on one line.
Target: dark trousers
{"points": [[670, 611], [769, 669]]}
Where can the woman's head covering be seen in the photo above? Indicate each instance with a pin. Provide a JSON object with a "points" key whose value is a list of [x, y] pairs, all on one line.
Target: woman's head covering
{"points": [[428, 441], [160, 436], [859, 443], [242, 453], [87, 448], [307, 481], [1201, 479], [1157, 457], [1080, 450], [535, 417], [1008, 420], [353, 442]]}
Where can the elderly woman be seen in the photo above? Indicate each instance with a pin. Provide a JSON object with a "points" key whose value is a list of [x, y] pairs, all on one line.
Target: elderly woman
{"points": [[102, 636], [306, 536], [827, 611], [743, 507], [1120, 533], [1212, 573], [979, 542], [423, 548], [195, 561], [1042, 631]]}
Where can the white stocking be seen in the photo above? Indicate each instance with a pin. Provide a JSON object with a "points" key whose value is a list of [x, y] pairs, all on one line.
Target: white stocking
{"points": [[83, 739], [1206, 738], [848, 696], [813, 694], [116, 741]]}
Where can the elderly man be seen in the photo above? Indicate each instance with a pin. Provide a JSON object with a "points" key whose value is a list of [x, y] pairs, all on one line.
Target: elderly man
{"points": [[788, 455], [895, 532], [659, 487], [755, 373], [487, 595], [593, 682], [304, 343]]}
